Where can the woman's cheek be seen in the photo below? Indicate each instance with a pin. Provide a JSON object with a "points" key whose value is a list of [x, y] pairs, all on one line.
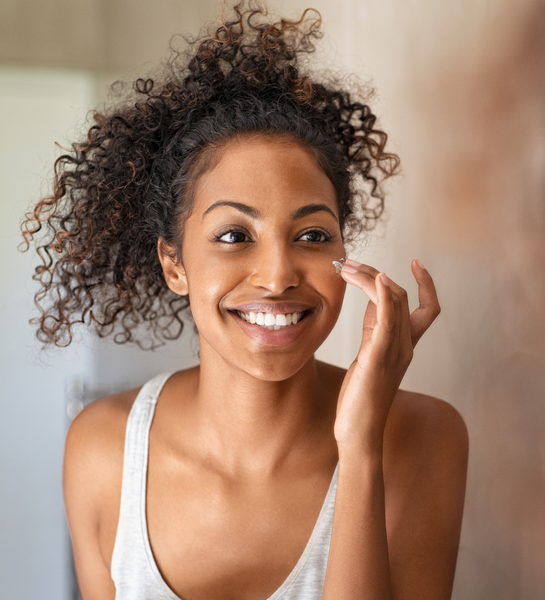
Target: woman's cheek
{"points": [[331, 288], [338, 286], [208, 283]]}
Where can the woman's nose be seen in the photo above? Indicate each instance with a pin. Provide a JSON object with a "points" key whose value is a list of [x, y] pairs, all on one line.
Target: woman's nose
{"points": [[275, 270]]}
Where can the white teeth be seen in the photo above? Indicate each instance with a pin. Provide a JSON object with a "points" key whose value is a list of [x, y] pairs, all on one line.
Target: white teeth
{"points": [[270, 321], [281, 320]]}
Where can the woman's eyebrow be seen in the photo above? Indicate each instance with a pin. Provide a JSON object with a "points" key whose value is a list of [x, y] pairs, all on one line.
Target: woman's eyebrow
{"points": [[310, 209], [300, 213], [243, 208]]}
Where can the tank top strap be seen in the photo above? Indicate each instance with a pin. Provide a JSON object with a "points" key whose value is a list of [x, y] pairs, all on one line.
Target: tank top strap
{"points": [[135, 460], [131, 552], [306, 580]]}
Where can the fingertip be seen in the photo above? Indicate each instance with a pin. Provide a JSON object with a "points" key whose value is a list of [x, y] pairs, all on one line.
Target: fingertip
{"points": [[415, 269], [419, 264], [421, 274], [384, 279]]}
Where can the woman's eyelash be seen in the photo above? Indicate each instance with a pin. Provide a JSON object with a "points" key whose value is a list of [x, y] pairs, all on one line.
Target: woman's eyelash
{"points": [[326, 235], [233, 232]]}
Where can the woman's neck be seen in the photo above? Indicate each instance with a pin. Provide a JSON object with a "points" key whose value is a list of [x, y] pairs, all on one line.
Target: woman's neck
{"points": [[249, 425]]}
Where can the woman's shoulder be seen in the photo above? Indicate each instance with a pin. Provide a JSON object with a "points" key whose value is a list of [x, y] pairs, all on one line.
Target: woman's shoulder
{"points": [[425, 435], [101, 424], [426, 418], [96, 437], [94, 446], [92, 478]]}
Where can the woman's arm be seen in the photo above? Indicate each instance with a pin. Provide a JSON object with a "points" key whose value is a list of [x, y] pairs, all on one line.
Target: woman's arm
{"points": [[423, 473], [358, 565], [425, 464], [382, 546]]}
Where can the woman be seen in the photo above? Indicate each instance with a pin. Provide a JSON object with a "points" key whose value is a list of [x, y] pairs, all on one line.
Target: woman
{"points": [[233, 186]]}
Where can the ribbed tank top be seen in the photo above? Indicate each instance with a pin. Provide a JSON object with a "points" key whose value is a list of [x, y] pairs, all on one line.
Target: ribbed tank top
{"points": [[134, 570]]}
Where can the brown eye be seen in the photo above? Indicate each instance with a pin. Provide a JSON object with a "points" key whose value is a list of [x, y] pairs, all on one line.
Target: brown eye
{"points": [[233, 237], [314, 237]]}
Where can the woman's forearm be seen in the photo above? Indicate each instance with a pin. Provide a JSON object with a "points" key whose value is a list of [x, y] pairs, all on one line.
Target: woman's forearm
{"points": [[358, 567]]}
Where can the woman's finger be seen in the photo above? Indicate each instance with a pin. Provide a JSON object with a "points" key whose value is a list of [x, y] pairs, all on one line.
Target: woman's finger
{"points": [[428, 308], [380, 321], [387, 319], [372, 272], [369, 322], [362, 279], [400, 298], [353, 266], [403, 315], [367, 269]]}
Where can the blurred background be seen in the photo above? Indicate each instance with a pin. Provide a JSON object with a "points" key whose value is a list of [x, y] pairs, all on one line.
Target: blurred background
{"points": [[460, 87]]}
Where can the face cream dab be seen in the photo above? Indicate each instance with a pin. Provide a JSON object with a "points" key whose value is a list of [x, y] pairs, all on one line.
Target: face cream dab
{"points": [[338, 264]]}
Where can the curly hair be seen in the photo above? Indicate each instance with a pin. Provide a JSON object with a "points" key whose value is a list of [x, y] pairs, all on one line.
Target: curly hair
{"points": [[130, 183]]}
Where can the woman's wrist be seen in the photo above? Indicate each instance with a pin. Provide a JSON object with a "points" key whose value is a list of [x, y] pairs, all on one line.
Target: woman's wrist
{"points": [[361, 454]]}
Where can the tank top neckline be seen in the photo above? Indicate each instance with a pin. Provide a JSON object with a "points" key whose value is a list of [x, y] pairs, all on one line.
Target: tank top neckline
{"points": [[150, 396]]}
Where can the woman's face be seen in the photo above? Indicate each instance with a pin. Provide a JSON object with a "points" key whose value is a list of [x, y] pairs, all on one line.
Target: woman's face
{"points": [[259, 246]]}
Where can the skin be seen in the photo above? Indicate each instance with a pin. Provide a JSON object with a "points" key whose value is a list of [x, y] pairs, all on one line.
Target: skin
{"points": [[243, 447]]}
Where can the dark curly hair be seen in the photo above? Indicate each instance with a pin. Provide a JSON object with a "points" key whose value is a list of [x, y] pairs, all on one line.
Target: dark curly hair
{"points": [[131, 182]]}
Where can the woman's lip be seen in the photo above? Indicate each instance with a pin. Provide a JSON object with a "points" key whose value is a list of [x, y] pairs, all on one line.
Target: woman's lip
{"points": [[280, 337], [276, 308]]}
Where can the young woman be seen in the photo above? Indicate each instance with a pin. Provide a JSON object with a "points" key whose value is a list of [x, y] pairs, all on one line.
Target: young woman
{"points": [[232, 186]]}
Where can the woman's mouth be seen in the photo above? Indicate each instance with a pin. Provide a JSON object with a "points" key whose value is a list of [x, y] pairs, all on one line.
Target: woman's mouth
{"points": [[270, 321]]}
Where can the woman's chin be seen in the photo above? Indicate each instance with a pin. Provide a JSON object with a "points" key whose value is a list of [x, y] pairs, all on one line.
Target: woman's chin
{"points": [[275, 368]]}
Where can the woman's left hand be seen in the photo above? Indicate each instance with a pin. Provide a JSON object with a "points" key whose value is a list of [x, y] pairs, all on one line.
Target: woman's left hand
{"points": [[390, 332]]}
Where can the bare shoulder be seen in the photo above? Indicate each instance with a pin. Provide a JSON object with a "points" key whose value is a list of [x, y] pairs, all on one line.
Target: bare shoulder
{"points": [[425, 441], [93, 472], [97, 434], [423, 424], [93, 458]]}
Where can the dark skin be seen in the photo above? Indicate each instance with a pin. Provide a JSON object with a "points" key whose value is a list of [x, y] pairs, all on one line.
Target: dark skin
{"points": [[243, 447]]}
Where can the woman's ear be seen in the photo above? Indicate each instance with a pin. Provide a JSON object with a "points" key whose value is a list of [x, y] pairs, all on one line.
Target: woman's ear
{"points": [[173, 270]]}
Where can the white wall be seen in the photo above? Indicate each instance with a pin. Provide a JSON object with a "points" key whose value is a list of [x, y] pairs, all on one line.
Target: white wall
{"points": [[36, 109]]}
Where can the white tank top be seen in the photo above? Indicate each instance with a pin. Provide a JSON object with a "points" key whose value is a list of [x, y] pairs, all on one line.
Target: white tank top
{"points": [[134, 570]]}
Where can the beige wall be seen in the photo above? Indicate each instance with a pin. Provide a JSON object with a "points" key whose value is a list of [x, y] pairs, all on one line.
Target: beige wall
{"points": [[461, 89], [100, 35]]}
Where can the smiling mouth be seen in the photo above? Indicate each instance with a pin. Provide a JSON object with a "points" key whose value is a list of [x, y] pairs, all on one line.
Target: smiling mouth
{"points": [[270, 321]]}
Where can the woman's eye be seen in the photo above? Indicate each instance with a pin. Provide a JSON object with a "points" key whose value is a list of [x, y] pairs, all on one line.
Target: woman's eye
{"points": [[233, 237], [314, 237]]}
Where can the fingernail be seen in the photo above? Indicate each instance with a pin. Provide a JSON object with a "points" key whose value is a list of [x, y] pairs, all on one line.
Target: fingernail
{"points": [[419, 263], [385, 279], [348, 269], [354, 263]]}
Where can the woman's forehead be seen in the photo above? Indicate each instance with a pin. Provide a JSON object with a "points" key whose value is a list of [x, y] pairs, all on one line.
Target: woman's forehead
{"points": [[264, 171]]}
